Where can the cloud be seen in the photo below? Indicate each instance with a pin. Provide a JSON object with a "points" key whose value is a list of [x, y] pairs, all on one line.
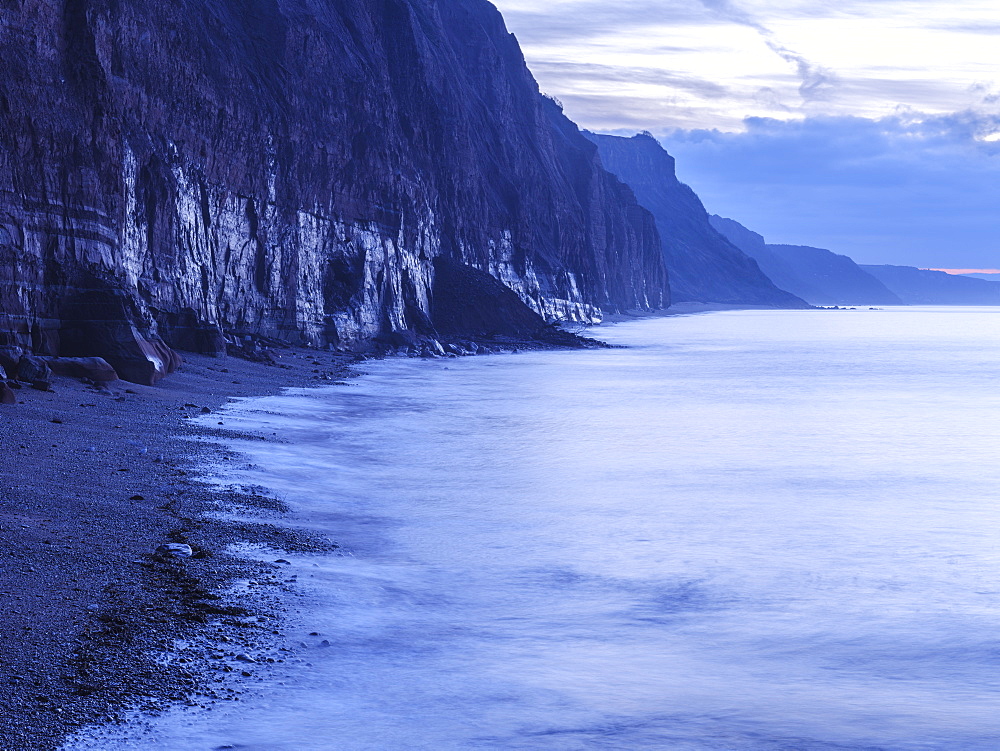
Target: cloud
{"points": [[581, 20], [910, 189], [594, 77], [815, 79]]}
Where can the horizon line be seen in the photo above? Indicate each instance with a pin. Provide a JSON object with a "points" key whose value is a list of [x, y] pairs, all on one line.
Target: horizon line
{"points": [[967, 271]]}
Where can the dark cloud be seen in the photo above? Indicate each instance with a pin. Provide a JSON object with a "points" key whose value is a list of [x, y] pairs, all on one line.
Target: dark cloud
{"points": [[904, 190]]}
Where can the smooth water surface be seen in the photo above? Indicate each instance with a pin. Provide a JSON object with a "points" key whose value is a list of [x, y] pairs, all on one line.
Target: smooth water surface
{"points": [[748, 530]]}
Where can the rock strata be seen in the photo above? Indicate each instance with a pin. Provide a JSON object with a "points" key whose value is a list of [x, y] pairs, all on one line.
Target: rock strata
{"points": [[180, 172]]}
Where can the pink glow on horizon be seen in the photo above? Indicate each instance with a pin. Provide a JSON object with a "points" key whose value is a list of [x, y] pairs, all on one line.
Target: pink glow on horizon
{"points": [[968, 271]]}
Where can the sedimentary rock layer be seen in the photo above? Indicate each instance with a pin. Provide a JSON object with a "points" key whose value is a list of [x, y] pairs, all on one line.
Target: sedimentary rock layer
{"points": [[290, 169]]}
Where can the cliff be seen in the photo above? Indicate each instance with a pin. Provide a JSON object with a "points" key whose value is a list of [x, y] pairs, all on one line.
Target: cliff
{"points": [[925, 287], [819, 276], [194, 169], [703, 265]]}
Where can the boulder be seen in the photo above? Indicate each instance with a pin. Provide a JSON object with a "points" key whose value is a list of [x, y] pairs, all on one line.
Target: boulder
{"points": [[174, 550], [6, 394], [3, 374], [104, 322], [31, 368], [96, 369], [9, 358]]}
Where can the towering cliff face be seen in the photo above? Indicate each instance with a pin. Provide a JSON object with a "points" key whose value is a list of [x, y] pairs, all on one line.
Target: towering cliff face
{"points": [[820, 276], [290, 168], [703, 265]]}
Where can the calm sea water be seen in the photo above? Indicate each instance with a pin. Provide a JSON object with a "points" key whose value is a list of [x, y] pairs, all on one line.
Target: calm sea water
{"points": [[749, 530]]}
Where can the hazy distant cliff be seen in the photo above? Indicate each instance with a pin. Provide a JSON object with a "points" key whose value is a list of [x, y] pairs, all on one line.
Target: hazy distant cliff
{"points": [[814, 274], [926, 287], [703, 265], [290, 169]]}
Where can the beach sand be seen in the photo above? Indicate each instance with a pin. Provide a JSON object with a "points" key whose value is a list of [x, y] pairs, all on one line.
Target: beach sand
{"points": [[91, 484]]}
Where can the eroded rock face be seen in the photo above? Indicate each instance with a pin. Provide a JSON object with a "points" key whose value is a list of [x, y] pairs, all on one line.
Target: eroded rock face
{"points": [[290, 170]]}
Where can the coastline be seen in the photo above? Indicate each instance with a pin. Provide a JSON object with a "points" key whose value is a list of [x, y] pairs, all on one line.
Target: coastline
{"points": [[92, 482], [683, 309]]}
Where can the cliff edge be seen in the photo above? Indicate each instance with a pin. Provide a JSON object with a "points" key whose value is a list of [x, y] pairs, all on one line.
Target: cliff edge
{"points": [[192, 172]]}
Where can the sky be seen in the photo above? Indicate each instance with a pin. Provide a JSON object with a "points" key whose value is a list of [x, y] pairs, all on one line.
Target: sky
{"points": [[869, 127]]}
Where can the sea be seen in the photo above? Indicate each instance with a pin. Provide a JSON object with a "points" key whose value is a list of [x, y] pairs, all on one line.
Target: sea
{"points": [[749, 530]]}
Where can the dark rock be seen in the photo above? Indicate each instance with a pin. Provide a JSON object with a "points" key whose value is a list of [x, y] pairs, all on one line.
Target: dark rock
{"points": [[41, 385], [6, 394], [468, 301], [95, 369], [186, 331], [10, 356], [174, 550], [3, 373], [105, 321], [31, 369], [172, 171]]}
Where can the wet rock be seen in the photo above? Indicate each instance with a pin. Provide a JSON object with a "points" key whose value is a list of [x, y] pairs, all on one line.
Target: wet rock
{"points": [[31, 368], [95, 369], [6, 394], [174, 550]]}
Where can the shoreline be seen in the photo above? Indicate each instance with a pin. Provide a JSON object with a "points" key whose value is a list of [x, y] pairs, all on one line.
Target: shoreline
{"points": [[92, 482]]}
